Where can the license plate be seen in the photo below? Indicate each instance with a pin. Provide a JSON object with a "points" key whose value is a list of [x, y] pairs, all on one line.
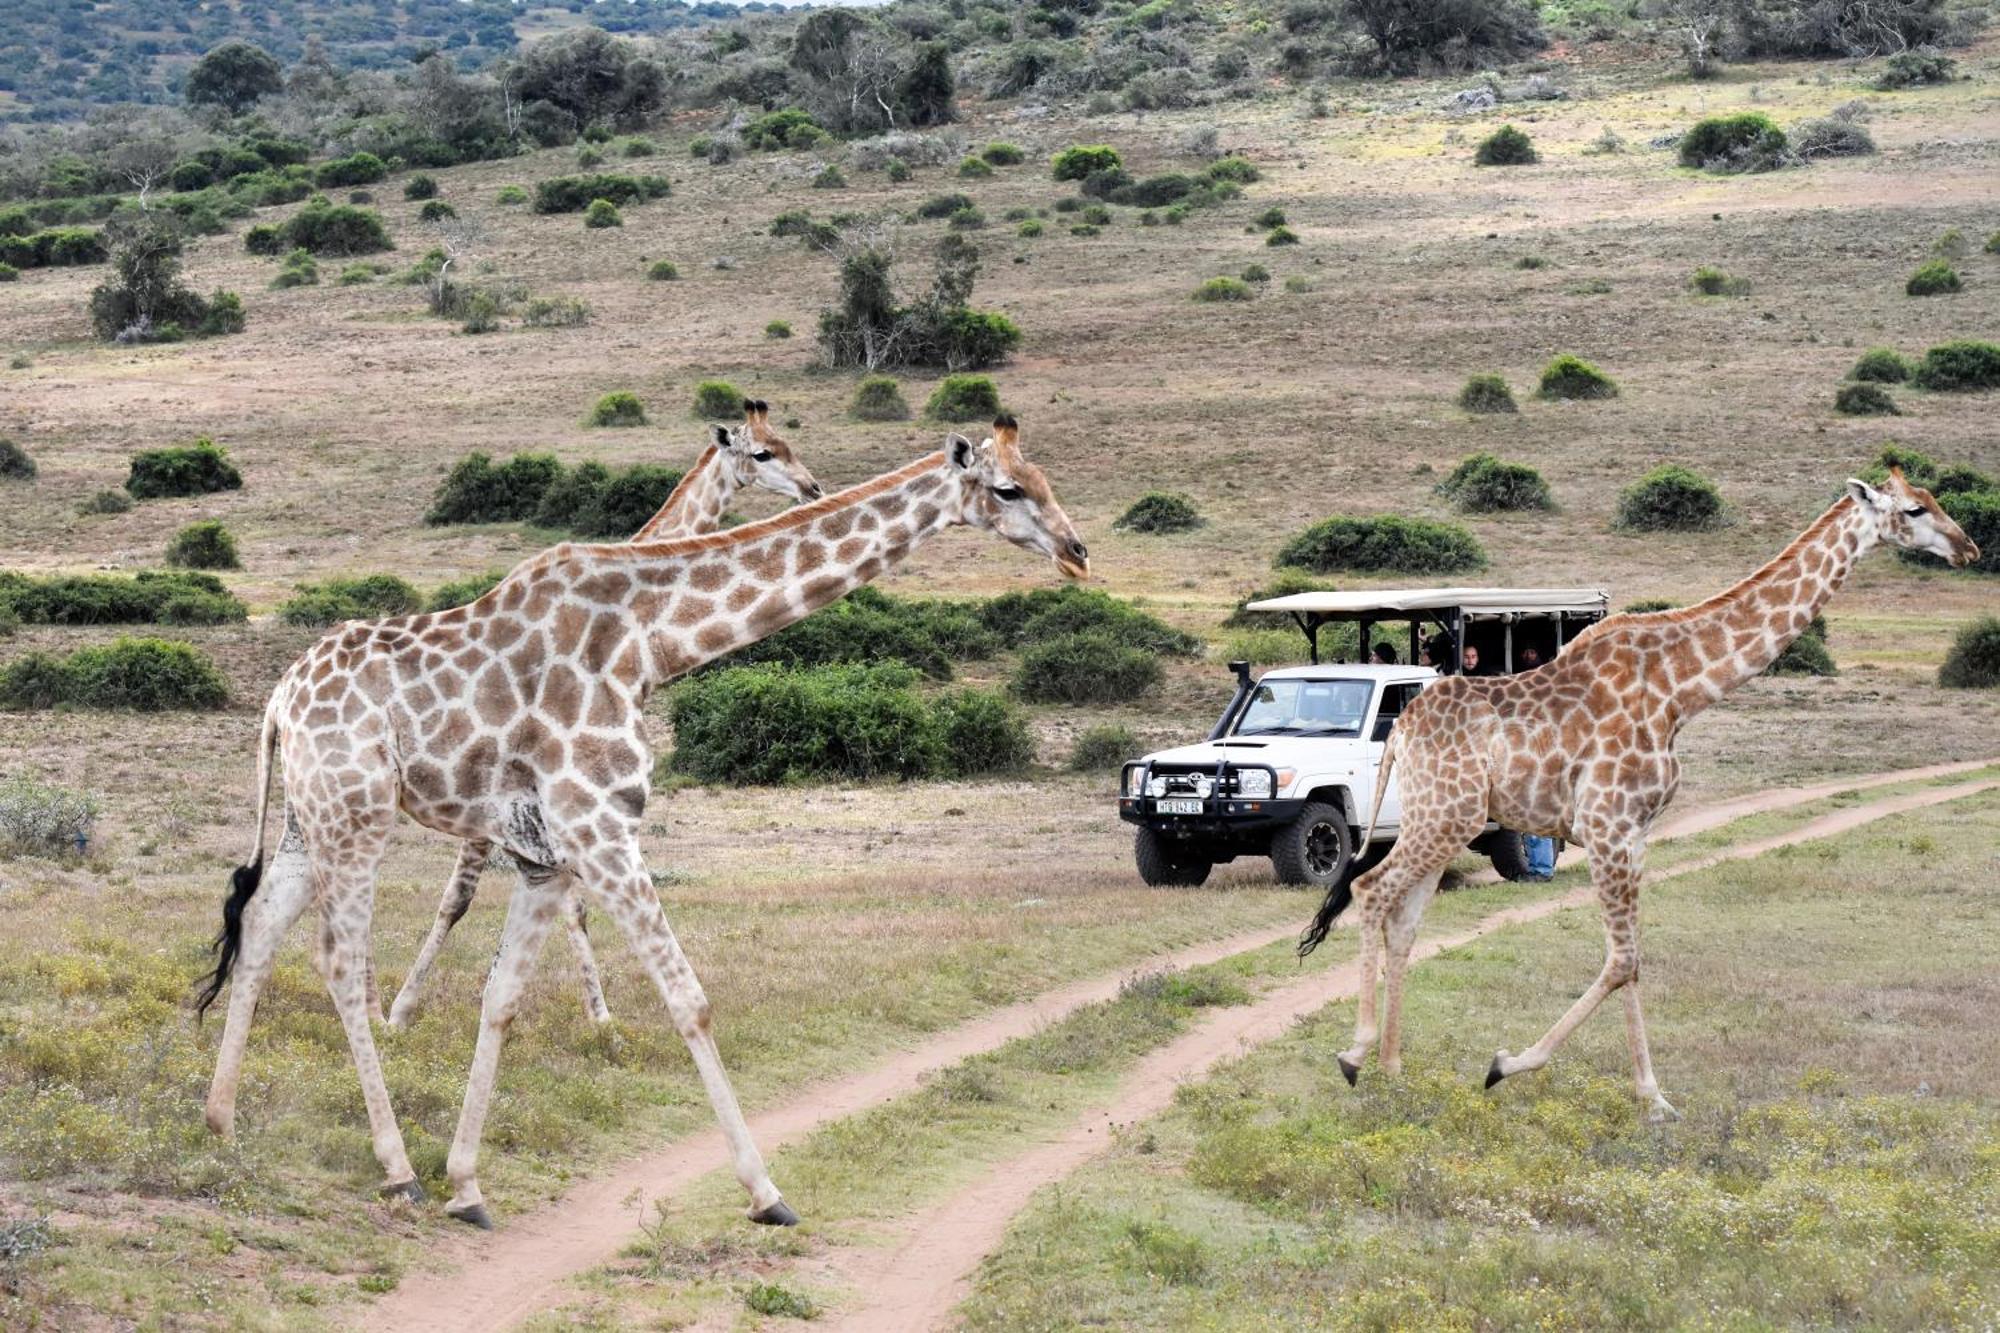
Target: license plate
{"points": [[1178, 807]]}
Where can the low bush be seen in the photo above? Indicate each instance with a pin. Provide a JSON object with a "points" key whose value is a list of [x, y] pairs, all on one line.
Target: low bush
{"points": [[203, 545], [879, 398], [1959, 366], [1080, 160], [1281, 236], [1923, 470], [1084, 668], [1387, 543], [8, 273], [944, 205], [1711, 281], [1270, 217], [1864, 400], [265, 239], [1571, 377], [200, 468], [775, 724], [967, 219], [1222, 289], [369, 597], [1806, 655], [1487, 395], [575, 194], [511, 194], [150, 597], [15, 464], [614, 509], [1880, 365], [1160, 512], [335, 229], [662, 270], [1913, 69], [1104, 746], [1022, 619], [343, 172], [40, 819], [475, 491], [1505, 147], [106, 502], [298, 270], [777, 329], [555, 312], [144, 675], [963, 398], [436, 210], [420, 186], [870, 626], [1935, 277], [1670, 499], [1097, 215], [479, 312], [830, 177], [1483, 484], [718, 398], [1973, 663], [640, 146], [1029, 229], [1256, 273], [1817, 139], [1233, 170], [1003, 154], [462, 592], [1746, 141], [355, 275], [602, 213], [617, 408], [974, 169], [1992, 246], [786, 128]]}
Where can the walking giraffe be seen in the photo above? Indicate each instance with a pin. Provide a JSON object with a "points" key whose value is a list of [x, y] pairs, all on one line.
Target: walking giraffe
{"points": [[750, 455], [1583, 749], [516, 720]]}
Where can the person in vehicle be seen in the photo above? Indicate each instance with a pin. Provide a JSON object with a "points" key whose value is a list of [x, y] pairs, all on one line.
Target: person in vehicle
{"points": [[1531, 657], [1385, 653], [1471, 660]]}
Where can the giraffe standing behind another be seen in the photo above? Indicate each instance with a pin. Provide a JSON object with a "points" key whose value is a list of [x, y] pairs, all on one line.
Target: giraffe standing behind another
{"points": [[1583, 749], [517, 721], [750, 455]]}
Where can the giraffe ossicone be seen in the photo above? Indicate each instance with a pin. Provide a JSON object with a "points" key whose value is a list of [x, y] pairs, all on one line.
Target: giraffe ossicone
{"points": [[515, 721], [1582, 748]]}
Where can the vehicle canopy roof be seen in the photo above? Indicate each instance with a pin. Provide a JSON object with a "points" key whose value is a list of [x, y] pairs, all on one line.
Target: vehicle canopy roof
{"points": [[1474, 603]]}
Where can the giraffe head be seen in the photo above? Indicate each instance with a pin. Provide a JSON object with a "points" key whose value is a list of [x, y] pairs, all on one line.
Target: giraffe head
{"points": [[756, 455], [1908, 516], [1004, 493]]}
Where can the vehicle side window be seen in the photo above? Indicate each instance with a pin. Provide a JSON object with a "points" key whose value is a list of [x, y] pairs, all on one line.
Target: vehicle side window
{"points": [[1395, 699]]}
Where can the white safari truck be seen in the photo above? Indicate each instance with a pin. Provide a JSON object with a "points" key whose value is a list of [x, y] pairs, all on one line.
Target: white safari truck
{"points": [[1289, 771]]}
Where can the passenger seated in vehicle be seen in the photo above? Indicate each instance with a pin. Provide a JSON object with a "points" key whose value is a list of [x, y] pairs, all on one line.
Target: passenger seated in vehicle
{"points": [[1385, 653]]}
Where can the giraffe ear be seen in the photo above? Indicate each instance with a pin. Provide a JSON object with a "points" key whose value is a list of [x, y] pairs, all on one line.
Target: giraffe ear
{"points": [[963, 453], [723, 439], [1864, 494]]}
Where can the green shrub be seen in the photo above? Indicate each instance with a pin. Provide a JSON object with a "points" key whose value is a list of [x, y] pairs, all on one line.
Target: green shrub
{"points": [[145, 675], [777, 724], [1574, 378], [511, 194], [718, 398], [779, 1302], [1992, 246], [1106, 745], [106, 502], [879, 398], [963, 398], [1025, 618], [602, 213], [786, 128], [1281, 236], [1830, 137], [39, 819], [1222, 289], [420, 187], [203, 545], [1959, 366], [436, 210], [1256, 273], [897, 171], [463, 592], [343, 172], [870, 626], [1933, 278], [475, 491], [8, 273], [1155, 191], [1234, 170], [264, 239], [355, 275], [370, 597], [1505, 147], [1483, 484], [1710, 281], [1806, 655], [1922, 470], [1097, 215], [831, 178], [974, 169], [662, 270], [1745, 141], [1880, 365], [335, 229], [575, 194], [1974, 660], [1864, 400], [116, 599], [480, 312], [1670, 499], [194, 469], [615, 508], [1910, 69], [1080, 160], [15, 464], [967, 219], [555, 312], [617, 408], [1030, 229], [1388, 543], [1085, 229], [1002, 154], [944, 205], [1084, 668], [1161, 512], [1487, 394], [298, 270], [778, 329]]}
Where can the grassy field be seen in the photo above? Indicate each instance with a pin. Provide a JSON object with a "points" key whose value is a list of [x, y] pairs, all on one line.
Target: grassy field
{"points": [[831, 925]]}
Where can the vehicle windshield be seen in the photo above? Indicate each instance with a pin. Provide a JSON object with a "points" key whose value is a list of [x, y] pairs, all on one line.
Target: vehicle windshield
{"points": [[1297, 707]]}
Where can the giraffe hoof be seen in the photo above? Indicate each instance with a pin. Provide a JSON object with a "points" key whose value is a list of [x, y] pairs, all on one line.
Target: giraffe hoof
{"points": [[474, 1214], [411, 1190], [1348, 1071], [779, 1214], [1494, 1073]]}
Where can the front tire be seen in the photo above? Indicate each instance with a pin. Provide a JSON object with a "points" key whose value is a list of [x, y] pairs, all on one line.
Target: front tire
{"points": [[1165, 863], [1314, 849], [1504, 849]]}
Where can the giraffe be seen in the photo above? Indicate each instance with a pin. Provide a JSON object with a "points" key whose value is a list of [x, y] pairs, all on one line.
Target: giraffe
{"points": [[516, 721], [1582, 748], [750, 455]]}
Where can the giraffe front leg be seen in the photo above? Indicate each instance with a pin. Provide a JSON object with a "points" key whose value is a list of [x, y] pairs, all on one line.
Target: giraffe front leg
{"points": [[344, 955], [458, 891], [1644, 1086], [575, 914]]}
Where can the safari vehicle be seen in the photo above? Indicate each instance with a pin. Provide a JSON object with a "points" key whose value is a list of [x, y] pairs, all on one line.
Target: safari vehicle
{"points": [[1289, 770]]}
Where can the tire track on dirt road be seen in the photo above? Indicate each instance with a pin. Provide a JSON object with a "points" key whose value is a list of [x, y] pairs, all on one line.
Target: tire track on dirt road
{"points": [[917, 1283], [500, 1278]]}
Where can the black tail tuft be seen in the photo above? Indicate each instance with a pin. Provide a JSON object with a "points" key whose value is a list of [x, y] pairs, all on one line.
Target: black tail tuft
{"points": [[1337, 899], [242, 887]]}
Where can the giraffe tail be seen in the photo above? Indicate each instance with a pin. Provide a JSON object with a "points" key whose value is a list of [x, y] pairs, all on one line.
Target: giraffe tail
{"points": [[1340, 894], [243, 883]]}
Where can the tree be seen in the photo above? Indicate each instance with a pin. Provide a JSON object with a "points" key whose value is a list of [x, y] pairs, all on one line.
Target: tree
{"points": [[233, 76], [1697, 25], [146, 293], [592, 76], [926, 90], [144, 163]]}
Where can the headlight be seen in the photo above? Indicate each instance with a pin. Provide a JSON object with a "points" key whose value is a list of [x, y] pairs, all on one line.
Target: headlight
{"points": [[1129, 783], [1156, 786], [1254, 783], [1204, 785]]}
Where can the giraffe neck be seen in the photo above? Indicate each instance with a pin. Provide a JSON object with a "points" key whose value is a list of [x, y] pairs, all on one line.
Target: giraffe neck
{"points": [[1744, 629], [697, 503]]}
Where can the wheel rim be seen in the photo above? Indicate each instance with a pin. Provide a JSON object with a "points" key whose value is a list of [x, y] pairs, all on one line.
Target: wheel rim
{"points": [[1322, 849]]}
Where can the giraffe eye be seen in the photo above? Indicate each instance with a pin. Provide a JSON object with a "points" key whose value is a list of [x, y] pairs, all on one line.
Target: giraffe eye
{"points": [[1008, 493], [762, 456], [1916, 511]]}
